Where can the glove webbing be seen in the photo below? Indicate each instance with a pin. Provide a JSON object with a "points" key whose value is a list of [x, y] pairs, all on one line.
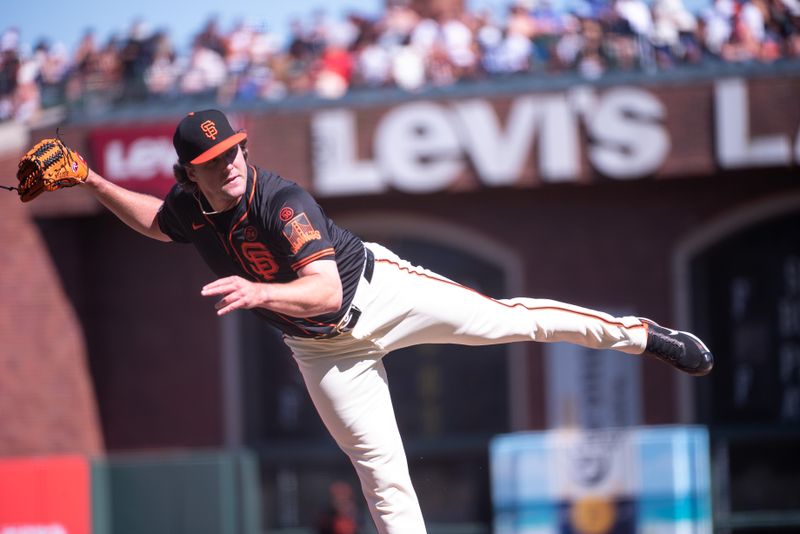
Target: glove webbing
{"points": [[54, 158], [43, 149], [46, 164]]}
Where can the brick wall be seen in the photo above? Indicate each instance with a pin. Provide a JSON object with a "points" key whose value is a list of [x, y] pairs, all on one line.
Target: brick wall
{"points": [[47, 403], [153, 341]]}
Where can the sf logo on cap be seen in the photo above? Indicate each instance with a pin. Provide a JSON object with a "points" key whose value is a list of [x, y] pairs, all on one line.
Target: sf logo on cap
{"points": [[210, 129]]}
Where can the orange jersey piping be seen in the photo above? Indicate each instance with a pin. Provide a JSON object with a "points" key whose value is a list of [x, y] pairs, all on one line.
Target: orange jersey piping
{"points": [[317, 255], [515, 305], [237, 223]]}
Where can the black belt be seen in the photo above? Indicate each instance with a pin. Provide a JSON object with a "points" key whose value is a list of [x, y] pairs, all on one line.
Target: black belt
{"points": [[369, 265], [354, 313]]}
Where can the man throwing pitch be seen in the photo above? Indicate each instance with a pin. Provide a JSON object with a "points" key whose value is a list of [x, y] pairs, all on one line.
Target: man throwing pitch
{"points": [[341, 303]]}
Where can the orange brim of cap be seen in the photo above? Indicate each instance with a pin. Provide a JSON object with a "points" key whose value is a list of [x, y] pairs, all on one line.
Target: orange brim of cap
{"points": [[218, 149]]}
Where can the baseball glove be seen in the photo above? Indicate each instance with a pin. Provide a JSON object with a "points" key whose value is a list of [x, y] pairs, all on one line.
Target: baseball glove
{"points": [[48, 166]]}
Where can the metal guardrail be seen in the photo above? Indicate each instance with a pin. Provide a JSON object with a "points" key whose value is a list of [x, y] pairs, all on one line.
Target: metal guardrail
{"points": [[455, 528], [761, 520], [190, 492]]}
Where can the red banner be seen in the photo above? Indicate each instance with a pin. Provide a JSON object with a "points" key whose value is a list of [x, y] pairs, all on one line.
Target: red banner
{"points": [[48, 495], [139, 158]]}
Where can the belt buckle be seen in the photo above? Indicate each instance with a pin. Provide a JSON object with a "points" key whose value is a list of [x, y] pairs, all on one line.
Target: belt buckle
{"points": [[349, 320], [341, 328]]}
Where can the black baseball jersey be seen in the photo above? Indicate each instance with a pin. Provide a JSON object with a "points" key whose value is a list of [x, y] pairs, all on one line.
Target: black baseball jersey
{"points": [[276, 229]]}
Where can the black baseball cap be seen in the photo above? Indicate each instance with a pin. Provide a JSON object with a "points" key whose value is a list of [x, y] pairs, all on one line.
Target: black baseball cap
{"points": [[203, 135]]}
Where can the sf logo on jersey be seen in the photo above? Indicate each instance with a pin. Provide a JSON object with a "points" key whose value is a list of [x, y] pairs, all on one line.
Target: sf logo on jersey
{"points": [[260, 260]]}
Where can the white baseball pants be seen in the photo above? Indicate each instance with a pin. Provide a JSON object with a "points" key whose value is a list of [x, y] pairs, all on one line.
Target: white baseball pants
{"points": [[407, 305]]}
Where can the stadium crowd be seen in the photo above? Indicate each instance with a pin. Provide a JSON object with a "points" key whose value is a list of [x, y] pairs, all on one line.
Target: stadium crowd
{"points": [[399, 49]]}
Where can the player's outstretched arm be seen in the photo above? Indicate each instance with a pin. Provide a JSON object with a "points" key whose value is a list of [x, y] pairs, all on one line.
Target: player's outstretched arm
{"points": [[50, 165], [137, 210]]}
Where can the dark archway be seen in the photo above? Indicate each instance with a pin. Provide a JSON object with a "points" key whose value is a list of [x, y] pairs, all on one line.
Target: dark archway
{"points": [[744, 299]]}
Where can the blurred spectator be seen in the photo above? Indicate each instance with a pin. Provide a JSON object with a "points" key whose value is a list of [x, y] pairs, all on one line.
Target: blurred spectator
{"points": [[300, 58], [162, 74], [136, 56], [637, 24], [408, 66], [673, 34], [784, 25], [333, 78], [510, 49], [592, 62], [204, 73], [743, 43], [399, 23], [237, 47], [751, 13], [520, 22], [26, 98], [210, 37], [257, 64], [718, 25], [9, 68], [550, 25], [373, 62], [340, 517], [458, 42], [568, 48], [53, 64], [336, 61]]}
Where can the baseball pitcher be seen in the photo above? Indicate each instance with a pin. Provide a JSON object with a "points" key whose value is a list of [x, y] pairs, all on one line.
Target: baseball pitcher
{"points": [[342, 304]]}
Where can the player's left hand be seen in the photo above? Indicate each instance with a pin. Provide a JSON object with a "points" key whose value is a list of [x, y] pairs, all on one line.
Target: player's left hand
{"points": [[237, 293]]}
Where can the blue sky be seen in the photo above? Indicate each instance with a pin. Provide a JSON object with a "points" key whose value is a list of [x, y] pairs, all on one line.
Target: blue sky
{"points": [[65, 21]]}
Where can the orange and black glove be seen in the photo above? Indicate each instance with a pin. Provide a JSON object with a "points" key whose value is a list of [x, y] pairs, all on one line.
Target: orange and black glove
{"points": [[48, 166]]}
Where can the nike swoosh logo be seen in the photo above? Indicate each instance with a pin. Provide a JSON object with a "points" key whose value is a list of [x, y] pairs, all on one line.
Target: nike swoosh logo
{"points": [[197, 226]]}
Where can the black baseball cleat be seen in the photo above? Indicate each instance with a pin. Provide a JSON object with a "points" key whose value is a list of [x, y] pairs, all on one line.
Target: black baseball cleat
{"points": [[681, 350]]}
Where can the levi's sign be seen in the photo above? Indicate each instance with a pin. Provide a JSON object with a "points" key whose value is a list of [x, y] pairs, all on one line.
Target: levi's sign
{"points": [[620, 133], [139, 158], [580, 135]]}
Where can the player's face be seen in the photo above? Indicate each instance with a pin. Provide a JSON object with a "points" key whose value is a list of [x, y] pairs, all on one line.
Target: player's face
{"points": [[222, 179]]}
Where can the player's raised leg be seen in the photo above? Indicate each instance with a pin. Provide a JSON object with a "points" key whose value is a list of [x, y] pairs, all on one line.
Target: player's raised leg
{"points": [[420, 306], [412, 305]]}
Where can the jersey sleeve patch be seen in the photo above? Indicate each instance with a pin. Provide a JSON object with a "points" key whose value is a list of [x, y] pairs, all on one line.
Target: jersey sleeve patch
{"points": [[299, 231]]}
